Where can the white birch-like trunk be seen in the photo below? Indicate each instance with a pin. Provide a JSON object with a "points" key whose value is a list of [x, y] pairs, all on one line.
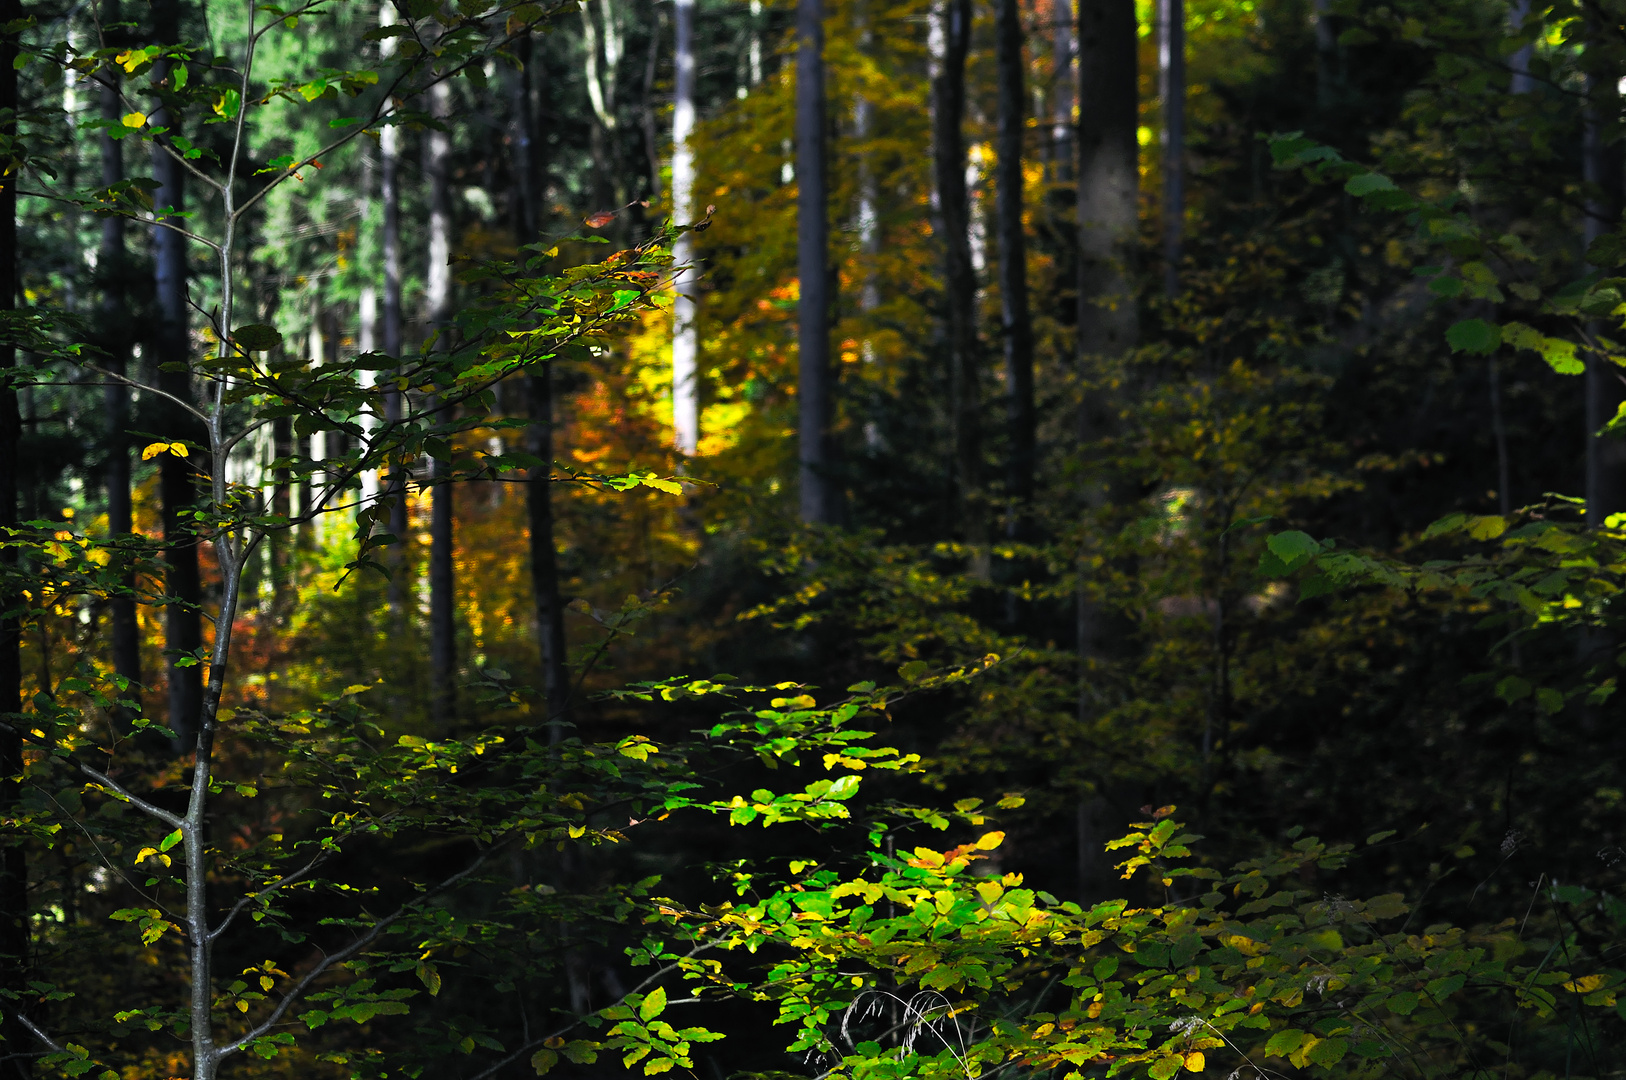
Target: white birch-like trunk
{"points": [[685, 335]]}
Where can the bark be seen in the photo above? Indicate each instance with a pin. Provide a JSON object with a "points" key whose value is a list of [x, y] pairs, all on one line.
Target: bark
{"points": [[438, 290], [390, 320], [116, 331], [1108, 195], [1172, 86], [183, 621], [814, 377], [959, 275], [1016, 321], [1061, 93], [685, 336], [14, 935], [531, 171], [1601, 164], [1519, 62]]}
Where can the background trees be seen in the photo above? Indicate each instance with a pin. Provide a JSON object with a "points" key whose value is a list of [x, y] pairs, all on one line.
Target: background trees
{"points": [[957, 312]]}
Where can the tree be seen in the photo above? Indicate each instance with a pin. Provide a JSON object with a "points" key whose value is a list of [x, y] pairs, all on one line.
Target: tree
{"points": [[1016, 320], [815, 389], [951, 32], [438, 298], [1172, 83], [685, 333]]}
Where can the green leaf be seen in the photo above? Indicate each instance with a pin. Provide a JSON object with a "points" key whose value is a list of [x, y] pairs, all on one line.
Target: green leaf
{"points": [[256, 337], [653, 1005], [170, 841], [543, 1060], [1474, 336], [1293, 548], [1284, 1042], [1367, 183]]}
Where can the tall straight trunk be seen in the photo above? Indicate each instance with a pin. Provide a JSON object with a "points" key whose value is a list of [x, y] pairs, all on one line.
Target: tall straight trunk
{"points": [[685, 334], [959, 275], [438, 289], [1016, 321], [1326, 56], [389, 323], [530, 167], [113, 267], [1519, 63], [14, 923], [814, 377], [1172, 86], [1108, 197], [183, 621], [1601, 165], [1061, 92]]}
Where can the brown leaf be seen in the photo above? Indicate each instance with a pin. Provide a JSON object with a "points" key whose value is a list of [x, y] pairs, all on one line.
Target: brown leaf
{"points": [[600, 219]]}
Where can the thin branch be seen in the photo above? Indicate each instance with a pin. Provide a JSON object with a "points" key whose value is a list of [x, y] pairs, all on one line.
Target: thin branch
{"points": [[300, 988], [140, 804], [39, 1034], [267, 891]]}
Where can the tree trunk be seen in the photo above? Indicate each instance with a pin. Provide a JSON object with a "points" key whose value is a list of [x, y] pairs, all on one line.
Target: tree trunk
{"points": [[1108, 196], [183, 621], [959, 276], [14, 935], [1519, 62], [685, 335], [531, 172], [116, 330], [1061, 93], [389, 323], [438, 294], [1172, 86], [814, 377], [1016, 321], [1601, 164]]}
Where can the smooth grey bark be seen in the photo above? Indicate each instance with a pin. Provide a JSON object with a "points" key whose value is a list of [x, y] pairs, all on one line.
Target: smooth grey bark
{"points": [[548, 606], [1172, 87], [112, 266], [390, 318], [1015, 317], [814, 377], [438, 295], [183, 621], [14, 922], [959, 275], [1605, 389], [1108, 198], [685, 334], [1520, 81], [1062, 42]]}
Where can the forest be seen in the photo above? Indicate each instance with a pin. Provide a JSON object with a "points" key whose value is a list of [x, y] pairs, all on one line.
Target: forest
{"points": [[827, 539]]}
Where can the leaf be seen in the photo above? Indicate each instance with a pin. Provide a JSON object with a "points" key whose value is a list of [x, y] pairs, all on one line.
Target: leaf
{"points": [[600, 219], [1379, 837], [1293, 548], [1327, 1052], [1165, 1067], [1285, 1042], [1195, 1062], [653, 1005], [429, 977], [170, 841], [543, 1060], [989, 841], [913, 671], [154, 449], [256, 337], [134, 120], [1474, 336], [1367, 183]]}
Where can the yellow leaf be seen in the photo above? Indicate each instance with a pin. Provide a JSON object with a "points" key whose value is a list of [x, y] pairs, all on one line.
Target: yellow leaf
{"points": [[134, 120], [578, 831], [990, 841], [242, 1006], [154, 449], [144, 853], [1195, 1062], [1585, 985]]}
